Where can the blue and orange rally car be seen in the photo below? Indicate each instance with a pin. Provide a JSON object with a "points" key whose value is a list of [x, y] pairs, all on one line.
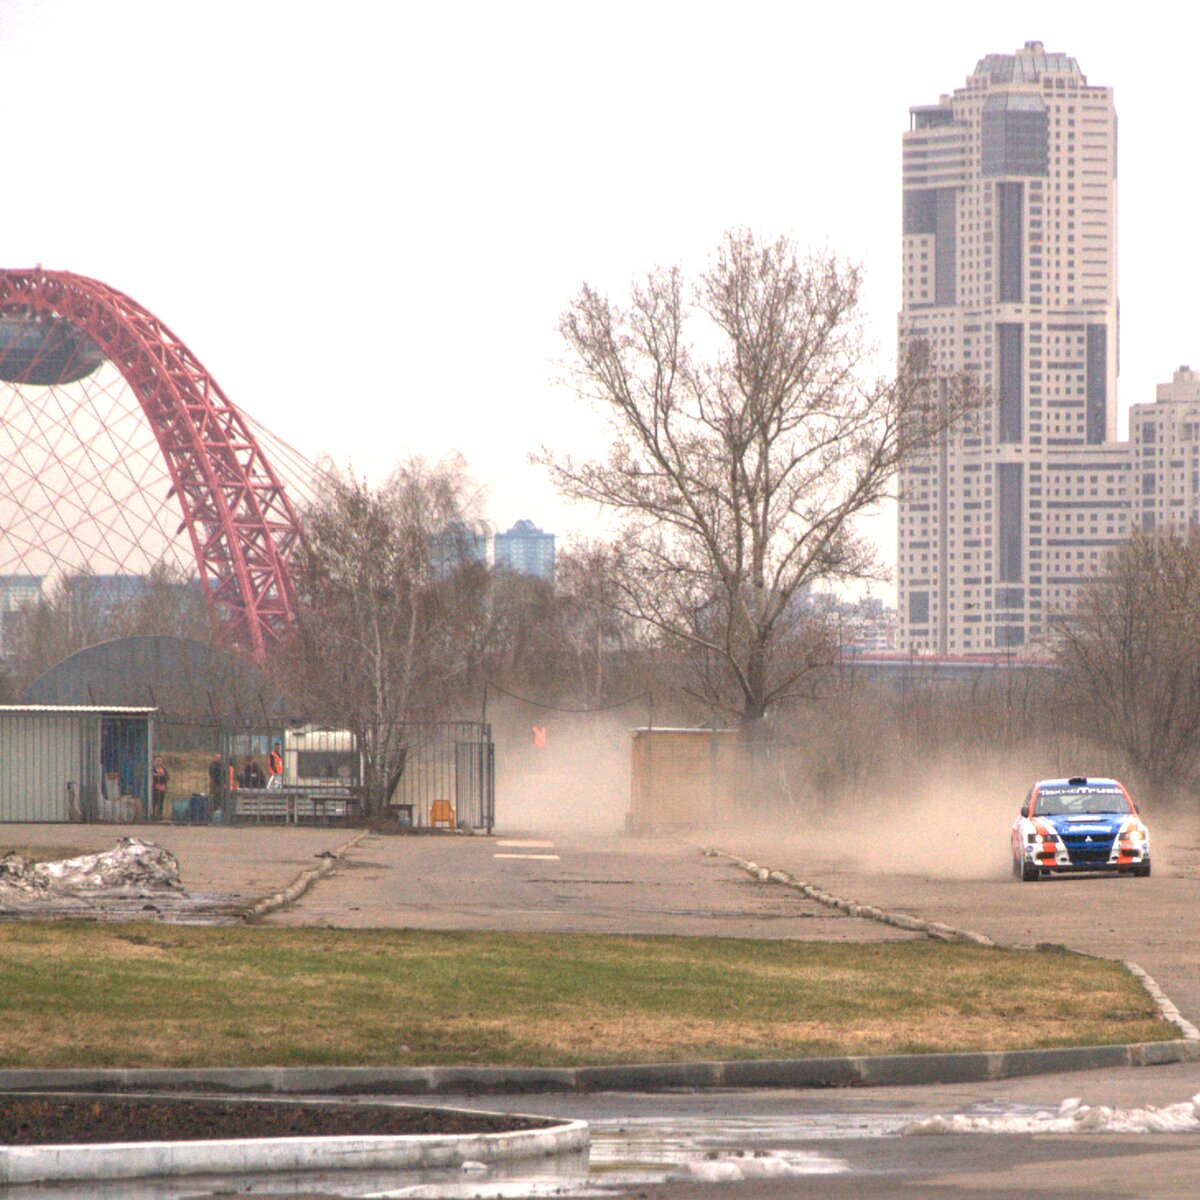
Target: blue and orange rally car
{"points": [[1079, 824]]}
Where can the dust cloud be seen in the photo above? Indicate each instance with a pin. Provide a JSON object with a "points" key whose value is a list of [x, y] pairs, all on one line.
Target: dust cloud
{"points": [[947, 816], [945, 821], [940, 822], [578, 780]]}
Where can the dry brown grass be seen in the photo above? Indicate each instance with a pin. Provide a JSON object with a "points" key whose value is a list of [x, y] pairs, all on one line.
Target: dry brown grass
{"points": [[129, 995]]}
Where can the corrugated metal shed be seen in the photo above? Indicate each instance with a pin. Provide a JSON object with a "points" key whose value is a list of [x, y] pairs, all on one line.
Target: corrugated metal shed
{"points": [[74, 762]]}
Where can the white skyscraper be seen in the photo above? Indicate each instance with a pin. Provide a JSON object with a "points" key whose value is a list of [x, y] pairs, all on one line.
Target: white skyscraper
{"points": [[1009, 244]]}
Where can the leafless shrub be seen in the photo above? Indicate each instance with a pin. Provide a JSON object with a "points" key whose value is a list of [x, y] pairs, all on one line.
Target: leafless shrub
{"points": [[1129, 654]]}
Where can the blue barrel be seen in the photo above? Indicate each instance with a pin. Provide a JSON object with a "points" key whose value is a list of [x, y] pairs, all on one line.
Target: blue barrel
{"points": [[198, 806], [181, 812]]}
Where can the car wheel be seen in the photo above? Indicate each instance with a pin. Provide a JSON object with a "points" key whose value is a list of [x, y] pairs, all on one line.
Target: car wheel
{"points": [[1029, 874], [1142, 870]]}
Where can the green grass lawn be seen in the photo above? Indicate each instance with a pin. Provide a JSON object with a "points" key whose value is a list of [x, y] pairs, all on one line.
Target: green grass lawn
{"points": [[153, 995]]}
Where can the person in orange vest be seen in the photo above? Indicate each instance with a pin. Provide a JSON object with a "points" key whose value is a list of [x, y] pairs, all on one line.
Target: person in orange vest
{"points": [[275, 761]]}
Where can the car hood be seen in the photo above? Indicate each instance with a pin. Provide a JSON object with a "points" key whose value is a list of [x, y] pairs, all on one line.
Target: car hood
{"points": [[1093, 823]]}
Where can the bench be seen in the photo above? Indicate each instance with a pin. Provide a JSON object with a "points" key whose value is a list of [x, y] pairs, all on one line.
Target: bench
{"points": [[290, 808]]}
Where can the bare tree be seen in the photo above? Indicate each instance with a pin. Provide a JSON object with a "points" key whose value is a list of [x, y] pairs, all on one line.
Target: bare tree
{"points": [[82, 609], [748, 434], [1130, 657], [591, 629], [380, 633]]}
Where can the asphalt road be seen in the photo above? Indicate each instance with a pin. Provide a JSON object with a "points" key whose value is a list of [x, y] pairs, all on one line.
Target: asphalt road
{"points": [[882, 1164], [611, 884], [559, 883]]}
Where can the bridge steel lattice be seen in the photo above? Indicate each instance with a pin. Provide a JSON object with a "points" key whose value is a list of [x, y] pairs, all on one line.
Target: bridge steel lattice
{"points": [[241, 524]]}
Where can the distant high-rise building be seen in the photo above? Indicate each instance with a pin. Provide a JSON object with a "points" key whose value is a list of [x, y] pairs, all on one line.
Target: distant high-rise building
{"points": [[456, 546], [1009, 275], [1165, 449], [525, 549], [95, 598], [16, 591]]}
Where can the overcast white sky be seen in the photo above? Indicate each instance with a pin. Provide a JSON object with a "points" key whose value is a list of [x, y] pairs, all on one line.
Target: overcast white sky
{"points": [[365, 218]]}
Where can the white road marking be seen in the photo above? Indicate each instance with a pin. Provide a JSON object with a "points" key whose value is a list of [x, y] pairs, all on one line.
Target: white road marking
{"points": [[554, 857], [527, 842]]}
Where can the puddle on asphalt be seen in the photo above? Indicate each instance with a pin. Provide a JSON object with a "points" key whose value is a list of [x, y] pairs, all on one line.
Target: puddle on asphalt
{"points": [[643, 1151], [624, 1154]]}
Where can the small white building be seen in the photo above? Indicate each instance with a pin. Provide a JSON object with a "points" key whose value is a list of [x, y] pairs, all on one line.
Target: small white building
{"points": [[74, 762]]}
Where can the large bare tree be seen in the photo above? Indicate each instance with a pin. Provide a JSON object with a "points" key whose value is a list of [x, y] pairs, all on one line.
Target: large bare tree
{"points": [[749, 432], [1129, 655]]}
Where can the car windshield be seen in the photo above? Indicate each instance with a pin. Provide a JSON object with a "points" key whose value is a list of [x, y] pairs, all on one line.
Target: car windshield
{"points": [[1068, 801]]}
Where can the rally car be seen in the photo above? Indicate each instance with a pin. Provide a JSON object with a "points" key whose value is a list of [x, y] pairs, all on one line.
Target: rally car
{"points": [[1079, 824]]}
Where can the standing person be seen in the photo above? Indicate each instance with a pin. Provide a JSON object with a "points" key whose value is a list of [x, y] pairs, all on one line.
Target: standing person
{"points": [[275, 761], [215, 782], [253, 777], [158, 788]]}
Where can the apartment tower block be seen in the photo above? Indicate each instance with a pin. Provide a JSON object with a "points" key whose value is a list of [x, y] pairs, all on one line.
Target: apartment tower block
{"points": [[1009, 275]]}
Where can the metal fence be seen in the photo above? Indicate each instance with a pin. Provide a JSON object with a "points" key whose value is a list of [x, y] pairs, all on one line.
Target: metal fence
{"points": [[447, 775], [128, 766], [289, 774]]}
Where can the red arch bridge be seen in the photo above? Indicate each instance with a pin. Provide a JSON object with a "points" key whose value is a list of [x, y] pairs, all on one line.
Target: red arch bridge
{"points": [[118, 450]]}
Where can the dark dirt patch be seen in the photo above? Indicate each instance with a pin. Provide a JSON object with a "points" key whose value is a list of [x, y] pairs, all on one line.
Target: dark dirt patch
{"points": [[32, 1121]]}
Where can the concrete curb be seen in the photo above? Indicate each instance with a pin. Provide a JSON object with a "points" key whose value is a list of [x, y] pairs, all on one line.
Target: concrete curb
{"points": [[301, 884], [856, 1071], [1165, 1006], [132, 1160], [933, 929]]}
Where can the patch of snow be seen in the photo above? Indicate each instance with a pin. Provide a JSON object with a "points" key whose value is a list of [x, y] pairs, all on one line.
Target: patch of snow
{"points": [[1072, 1116], [132, 867], [132, 864]]}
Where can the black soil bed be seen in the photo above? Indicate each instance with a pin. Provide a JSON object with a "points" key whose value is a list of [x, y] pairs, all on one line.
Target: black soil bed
{"points": [[58, 1120]]}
